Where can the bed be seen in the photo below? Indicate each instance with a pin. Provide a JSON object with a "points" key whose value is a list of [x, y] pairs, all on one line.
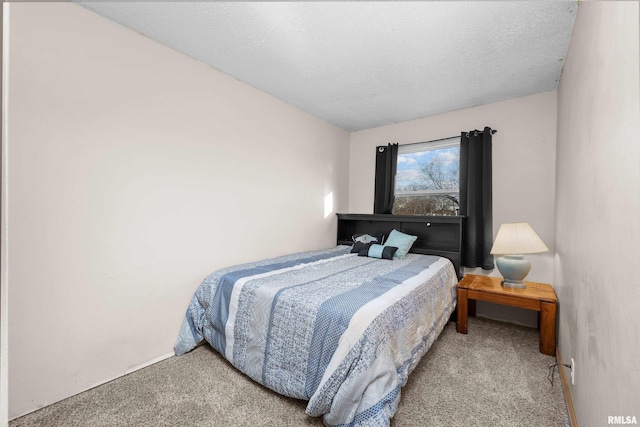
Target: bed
{"points": [[340, 329]]}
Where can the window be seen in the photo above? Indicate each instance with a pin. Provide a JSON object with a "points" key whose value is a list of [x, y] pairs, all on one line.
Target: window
{"points": [[427, 178]]}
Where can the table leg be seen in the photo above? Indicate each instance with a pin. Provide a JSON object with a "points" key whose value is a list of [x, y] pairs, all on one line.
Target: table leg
{"points": [[548, 328], [462, 311]]}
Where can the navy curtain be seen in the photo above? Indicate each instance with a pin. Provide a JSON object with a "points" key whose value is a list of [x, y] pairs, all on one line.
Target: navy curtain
{"points": [[386, 165], [476, 197]]}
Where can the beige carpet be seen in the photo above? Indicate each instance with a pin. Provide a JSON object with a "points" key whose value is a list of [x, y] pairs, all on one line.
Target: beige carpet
{"points": [[494, 376]]}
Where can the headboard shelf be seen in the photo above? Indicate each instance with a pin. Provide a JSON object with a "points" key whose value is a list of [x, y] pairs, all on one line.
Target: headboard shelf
{"points": [[437, 235]]}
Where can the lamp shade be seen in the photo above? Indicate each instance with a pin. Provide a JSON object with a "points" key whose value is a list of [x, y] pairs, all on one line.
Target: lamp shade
{"points": [[517, 238]]}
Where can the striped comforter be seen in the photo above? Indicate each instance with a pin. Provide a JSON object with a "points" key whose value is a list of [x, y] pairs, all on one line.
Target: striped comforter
{"points": [[338, 330]]}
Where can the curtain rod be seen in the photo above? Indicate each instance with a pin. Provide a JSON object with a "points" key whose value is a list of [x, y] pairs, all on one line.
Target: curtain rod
{"points": [[423, 142], [476, 133]]}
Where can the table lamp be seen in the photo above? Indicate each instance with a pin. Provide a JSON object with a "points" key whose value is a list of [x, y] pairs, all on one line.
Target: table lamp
{"points": [[512, 242]]}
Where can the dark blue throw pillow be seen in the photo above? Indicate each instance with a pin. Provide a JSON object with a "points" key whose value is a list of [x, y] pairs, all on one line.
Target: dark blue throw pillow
{"points": [[359, 246], [379, 251]]}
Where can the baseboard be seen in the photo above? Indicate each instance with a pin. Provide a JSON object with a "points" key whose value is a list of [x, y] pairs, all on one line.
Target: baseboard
{"points": [[131, 370], [145, 364], [567, 394], [127, 372], [511, 321]]}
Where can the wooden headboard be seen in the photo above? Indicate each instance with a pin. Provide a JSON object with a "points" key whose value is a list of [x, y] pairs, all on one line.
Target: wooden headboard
{"points": [[437, 235]]}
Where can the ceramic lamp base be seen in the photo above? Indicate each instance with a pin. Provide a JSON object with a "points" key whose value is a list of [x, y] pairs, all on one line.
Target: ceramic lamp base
{"points": [[514, 268]]}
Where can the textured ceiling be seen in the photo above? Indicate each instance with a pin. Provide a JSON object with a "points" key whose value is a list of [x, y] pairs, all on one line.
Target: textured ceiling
{"points": [[365, 64]]}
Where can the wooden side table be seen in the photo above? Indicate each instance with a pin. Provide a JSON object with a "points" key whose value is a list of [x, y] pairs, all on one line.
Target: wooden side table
{"points": [[536, 296]]}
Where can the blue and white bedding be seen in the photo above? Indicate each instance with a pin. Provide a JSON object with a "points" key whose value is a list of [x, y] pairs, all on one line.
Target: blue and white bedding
{"points": [[330, 327]]}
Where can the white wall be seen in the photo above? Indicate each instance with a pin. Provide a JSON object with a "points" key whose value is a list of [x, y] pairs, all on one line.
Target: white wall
{"points": [[523, 171], [4, 348], [598, 211], [134, 171]]}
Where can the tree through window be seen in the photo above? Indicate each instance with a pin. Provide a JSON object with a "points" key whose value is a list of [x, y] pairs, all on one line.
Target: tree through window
{"points": [[428, 178]]}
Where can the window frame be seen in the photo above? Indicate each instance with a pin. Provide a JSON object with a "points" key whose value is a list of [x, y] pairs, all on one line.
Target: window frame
{"points": [[419, 147]]}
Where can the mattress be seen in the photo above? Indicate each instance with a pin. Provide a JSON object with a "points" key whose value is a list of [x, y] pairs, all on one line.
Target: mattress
{"points": [[339, 330]]}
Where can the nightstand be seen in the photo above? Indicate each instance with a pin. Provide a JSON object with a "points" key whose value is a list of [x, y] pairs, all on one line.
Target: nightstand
{"points": [[536, 296]]}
